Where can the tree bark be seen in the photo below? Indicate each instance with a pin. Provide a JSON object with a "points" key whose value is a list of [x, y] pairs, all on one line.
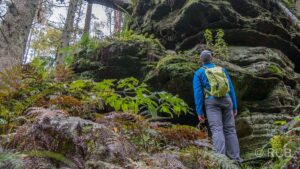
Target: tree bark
{"points": [[118, 19], [78, 19], [14, 32], [68, 29], [27, 48], [293, 19], [88, 18]]}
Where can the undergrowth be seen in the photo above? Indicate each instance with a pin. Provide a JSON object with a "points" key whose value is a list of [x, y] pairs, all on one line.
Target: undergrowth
{"points": [[38, 85], [283, 146]]}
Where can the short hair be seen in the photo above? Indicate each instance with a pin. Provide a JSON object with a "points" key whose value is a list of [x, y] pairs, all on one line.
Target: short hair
{"points": [[206, 56]]}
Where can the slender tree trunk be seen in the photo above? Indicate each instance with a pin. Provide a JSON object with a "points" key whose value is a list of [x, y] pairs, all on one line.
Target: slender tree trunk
{"points": [[78, 19], [68, 29], [88, 18], [14, 32], [109, 12], [293, 19], [40, 12], [28, 45], [118, 19]]}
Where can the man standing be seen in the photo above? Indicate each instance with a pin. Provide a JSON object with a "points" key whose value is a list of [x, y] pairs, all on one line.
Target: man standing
{"points": [[213, 87]]}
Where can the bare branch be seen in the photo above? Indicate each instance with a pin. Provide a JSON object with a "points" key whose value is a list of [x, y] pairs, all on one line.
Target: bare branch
{"points": [[115, 4]]}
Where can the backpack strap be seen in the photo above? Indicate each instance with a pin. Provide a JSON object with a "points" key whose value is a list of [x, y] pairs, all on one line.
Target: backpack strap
{"points": [[204, 67], [205, 91]]}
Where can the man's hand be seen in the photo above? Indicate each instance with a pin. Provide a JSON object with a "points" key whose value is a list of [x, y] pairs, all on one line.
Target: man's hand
{"points": [[201, 118], [235, 112]]}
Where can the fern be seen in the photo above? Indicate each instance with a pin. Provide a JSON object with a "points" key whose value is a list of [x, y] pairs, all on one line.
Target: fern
{"points": [[10, 81], [130, 95], [220, 47], [34, 86], [209, 39], [217, 44]]}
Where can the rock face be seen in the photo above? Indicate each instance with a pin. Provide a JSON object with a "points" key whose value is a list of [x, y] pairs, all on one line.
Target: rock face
{"points": [[264, 78], [266, 85], [179, 24], [117, 140], [114, 59], [263, 58]]}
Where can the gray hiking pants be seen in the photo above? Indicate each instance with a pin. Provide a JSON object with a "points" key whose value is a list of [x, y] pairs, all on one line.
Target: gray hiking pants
{"points": [[222, 125]]}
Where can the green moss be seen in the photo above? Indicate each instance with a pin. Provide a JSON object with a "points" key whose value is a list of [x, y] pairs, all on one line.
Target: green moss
{"points": [[176, 65], [87, 128], [289, 3], [193, 157], [129, 36], [90, 145], [275, 70]]}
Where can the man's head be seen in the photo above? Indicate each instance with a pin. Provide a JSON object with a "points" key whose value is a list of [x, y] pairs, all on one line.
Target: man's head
{"points": [[206, 56]]}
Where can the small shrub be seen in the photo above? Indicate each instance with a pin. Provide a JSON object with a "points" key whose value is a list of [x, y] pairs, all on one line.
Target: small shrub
{"points": [[151, 44], [217, 44]]}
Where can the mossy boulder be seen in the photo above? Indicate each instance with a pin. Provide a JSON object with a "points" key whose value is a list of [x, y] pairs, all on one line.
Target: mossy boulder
{"points": [[119, 58], [174, 74]]}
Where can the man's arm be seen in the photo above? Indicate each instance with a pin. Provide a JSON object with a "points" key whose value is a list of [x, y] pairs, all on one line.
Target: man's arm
{"points": [[198, 94], [231, 92]]}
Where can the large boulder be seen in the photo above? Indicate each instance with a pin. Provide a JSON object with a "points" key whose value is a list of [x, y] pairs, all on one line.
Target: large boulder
{"points": [[119, 58], [180, 24], [79, 140], [53, 139]]}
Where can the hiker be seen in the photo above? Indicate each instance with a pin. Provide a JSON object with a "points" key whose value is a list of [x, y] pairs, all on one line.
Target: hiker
{"points": [[213, 90]]}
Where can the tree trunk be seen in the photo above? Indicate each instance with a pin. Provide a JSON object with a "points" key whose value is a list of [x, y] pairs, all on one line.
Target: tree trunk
{"points": [[14, 32], [108, 12], [88, 18], [76, 30], [27, 47], [118, 19], [293, 19], [68, 29]]}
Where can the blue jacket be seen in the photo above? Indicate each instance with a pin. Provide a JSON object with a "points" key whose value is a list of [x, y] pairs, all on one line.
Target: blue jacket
{"points": [[200, 81]]}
